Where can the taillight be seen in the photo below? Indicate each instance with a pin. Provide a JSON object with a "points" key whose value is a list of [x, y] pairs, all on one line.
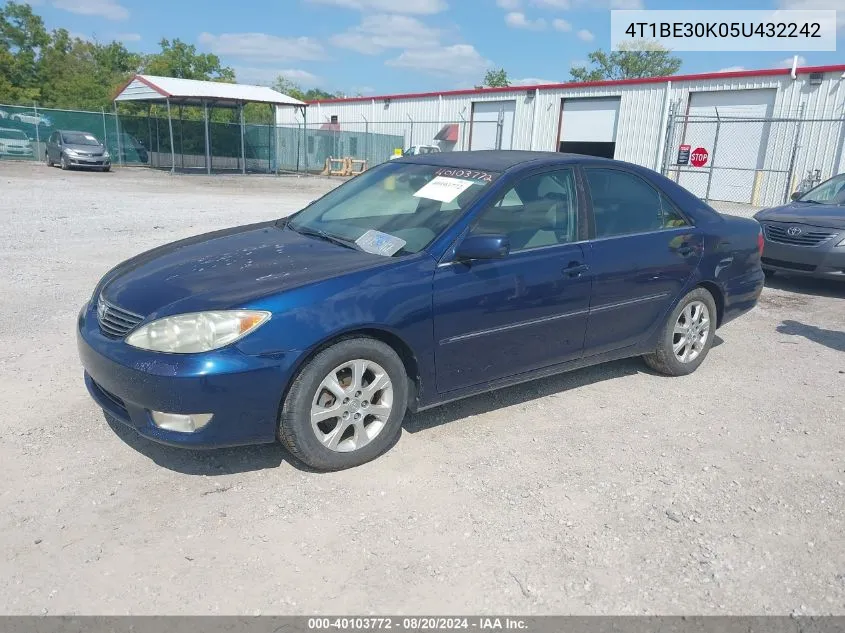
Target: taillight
{"points": [[760, 242]]}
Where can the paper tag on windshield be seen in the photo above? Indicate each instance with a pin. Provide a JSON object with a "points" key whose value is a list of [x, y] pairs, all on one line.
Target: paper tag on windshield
{"points": [[444, 189], [379, 243]]}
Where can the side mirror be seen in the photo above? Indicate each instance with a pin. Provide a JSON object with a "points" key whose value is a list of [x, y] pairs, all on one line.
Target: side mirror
{"points": [[483, 247], [795, 195]]}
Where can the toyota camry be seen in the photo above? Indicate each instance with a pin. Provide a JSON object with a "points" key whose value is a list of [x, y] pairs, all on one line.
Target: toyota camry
{"points": [[423, 280]]}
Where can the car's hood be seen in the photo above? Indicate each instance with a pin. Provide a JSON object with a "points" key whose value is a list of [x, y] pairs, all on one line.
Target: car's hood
{"points": [[826, 215], [226, 269], [87, 149]]}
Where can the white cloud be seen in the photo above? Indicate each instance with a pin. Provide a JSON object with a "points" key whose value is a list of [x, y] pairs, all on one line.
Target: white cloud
{"points": [[108, 9], [268, 74], [585, 35], [417, 7], [128, 37], [603, 5], [561, 25], [533, 81], [261, 46], [455, 60], [517, 20], [731, 69], [509, 5], [376, 33], [787, 63], [810, 5]]}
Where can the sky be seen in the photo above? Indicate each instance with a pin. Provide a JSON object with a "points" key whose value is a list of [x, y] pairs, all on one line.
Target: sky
{"points": [[394, 46]]}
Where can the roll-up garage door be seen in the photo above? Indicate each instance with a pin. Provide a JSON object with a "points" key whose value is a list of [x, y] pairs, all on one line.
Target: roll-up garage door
{"points": [[588, 126], [735, 141], [492, 125]]}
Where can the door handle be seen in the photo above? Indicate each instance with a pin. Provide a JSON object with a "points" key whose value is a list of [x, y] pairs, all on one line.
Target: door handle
{"points": [[575, 269]]}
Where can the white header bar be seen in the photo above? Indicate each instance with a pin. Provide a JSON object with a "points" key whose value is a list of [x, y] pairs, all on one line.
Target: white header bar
{"points": [[784, 31]]}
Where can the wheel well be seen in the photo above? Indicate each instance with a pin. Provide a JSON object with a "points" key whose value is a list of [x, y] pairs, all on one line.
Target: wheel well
{"points": [[718, 298], [397, 344]]}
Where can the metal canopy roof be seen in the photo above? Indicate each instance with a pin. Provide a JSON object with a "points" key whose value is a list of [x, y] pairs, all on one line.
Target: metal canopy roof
{"points": [[194, 92]]}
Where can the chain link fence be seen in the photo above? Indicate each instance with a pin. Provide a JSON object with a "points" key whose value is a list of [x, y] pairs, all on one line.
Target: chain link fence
{"points": [[753, 161]]}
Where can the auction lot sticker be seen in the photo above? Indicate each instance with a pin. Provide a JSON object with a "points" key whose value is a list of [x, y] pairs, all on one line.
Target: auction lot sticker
{"points": [[444, 189]]}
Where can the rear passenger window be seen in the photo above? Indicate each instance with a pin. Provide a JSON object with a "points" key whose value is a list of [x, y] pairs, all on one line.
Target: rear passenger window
{"points": [[672, 218], [624, 203]]}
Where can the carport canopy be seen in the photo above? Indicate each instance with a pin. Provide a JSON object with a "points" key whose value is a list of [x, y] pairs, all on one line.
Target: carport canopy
{"points": [[192, 92]]}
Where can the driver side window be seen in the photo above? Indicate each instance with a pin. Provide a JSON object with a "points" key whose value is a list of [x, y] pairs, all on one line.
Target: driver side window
{"points": [[540, 210]]}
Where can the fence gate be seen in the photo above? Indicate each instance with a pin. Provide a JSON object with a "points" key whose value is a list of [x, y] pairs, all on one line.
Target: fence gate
{"points": [[757, 161]]}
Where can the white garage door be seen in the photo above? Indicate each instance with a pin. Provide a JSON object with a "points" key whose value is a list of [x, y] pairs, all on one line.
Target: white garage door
{"points": [[588, 126], [739, 150], [492, 125]]}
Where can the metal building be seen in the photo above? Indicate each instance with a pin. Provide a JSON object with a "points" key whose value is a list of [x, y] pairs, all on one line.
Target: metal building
{"points": [[759, 131]]}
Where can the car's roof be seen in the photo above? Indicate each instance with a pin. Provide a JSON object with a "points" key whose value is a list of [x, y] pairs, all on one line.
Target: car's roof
{"points": [[74, 132], [496, 160]]}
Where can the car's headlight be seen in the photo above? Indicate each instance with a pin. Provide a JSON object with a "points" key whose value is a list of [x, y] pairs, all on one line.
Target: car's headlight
{"points": [[71, 152], [106, 154], [841, 243], [197, 331]]}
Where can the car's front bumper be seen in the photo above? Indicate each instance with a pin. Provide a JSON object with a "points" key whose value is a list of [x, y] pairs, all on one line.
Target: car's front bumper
{"points": [[76, 161], [826, 260], [242, 392], [15, 152]]}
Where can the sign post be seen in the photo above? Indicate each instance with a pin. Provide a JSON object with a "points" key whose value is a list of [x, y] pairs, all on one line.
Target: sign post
{"points": [[683, 154]]}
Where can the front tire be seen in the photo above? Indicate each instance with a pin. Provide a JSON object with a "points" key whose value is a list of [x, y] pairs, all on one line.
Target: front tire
{"points": [[63, 162], [47, 159], [769, 273], [346, 406], [687, 336]]}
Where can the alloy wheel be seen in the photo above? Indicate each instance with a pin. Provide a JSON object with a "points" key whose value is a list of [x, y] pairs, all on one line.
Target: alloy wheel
{"points": [[352, 405], [691, 332]]}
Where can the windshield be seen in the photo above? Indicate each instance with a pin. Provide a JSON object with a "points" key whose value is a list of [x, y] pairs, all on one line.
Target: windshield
{"points": [[395, 208], [15, 134], [79, 138], [829, 192]]}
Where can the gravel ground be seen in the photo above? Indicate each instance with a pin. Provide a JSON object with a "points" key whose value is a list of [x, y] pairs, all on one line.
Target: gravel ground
{"points": [[603, 491]]}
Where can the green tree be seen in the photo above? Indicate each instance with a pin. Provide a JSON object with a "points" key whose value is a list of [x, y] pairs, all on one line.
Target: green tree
{"points": [[178, 59], [634, 61], [496, 79], [22, 35]]}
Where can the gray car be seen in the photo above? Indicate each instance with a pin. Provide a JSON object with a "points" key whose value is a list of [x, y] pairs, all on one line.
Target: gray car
{"points": [[807, 236], [76, 149]]}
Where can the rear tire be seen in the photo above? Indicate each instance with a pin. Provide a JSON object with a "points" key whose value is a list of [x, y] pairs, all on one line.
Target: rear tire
{"points": [[364, 382], [687, 335]]}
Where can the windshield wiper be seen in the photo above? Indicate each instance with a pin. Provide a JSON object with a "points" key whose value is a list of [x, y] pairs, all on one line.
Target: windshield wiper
{"points": [[809, 201], [318, 233]]}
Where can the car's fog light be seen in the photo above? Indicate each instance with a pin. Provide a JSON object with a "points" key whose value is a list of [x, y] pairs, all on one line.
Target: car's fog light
{"points": [[180, 422]]}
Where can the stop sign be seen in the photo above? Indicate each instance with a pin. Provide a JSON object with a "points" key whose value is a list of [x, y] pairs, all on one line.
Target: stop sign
{"points": [[699, 157]]}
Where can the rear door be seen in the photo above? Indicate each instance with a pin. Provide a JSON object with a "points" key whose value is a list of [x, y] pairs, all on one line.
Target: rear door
{"points": [[643, 251], [497, 318]]}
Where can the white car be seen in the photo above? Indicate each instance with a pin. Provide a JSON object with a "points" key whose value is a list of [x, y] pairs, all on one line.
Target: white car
{"points": [[4, 114], [14, 143], [33, 118], [415, 150]]}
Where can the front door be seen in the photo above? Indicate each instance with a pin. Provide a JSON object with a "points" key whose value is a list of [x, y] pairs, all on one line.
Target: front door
{"points": [[642, 256], [498, 318]]}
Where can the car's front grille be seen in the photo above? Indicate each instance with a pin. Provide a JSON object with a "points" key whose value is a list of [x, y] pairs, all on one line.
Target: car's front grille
{"points": [[115, 321], [797, 235], [768, 261]]}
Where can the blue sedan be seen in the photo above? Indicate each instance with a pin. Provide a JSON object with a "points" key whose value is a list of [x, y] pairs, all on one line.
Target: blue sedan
{"points": [[424, 280]]}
